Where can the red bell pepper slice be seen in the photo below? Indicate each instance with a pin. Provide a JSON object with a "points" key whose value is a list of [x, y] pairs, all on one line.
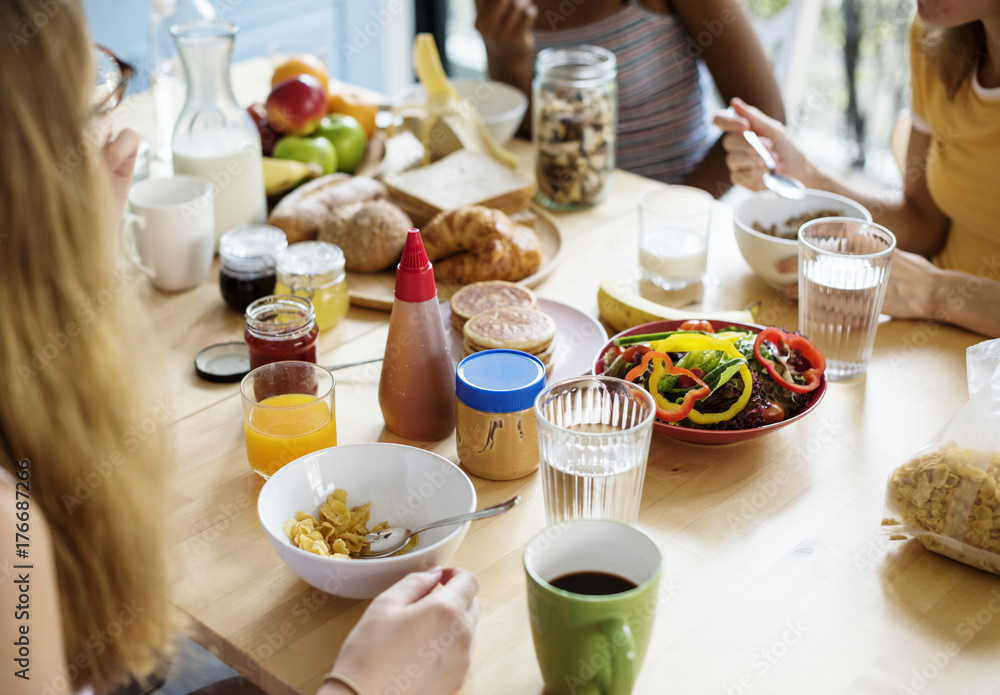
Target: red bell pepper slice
{"points": [[784, 343], [666, 410]]}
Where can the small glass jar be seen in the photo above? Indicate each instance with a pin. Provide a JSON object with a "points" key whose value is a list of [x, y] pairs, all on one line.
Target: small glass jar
{"points": [[574, 120], [315, 270], [281, 328], [246, 257], [495, 417]]}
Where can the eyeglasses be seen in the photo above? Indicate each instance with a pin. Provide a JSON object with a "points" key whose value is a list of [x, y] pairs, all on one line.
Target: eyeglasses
{"points": [[113, 75]]}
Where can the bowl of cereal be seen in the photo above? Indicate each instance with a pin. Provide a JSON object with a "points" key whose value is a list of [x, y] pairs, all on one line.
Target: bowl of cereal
{"points": [[767, 225], [315, 509]]}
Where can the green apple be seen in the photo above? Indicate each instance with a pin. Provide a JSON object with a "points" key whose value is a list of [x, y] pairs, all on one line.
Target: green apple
{"points": [[315, 150], [347, 137]]}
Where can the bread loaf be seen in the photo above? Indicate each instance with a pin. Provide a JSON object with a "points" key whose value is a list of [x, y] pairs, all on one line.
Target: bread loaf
{"points": [[462, 178], [301, 212], [475, 243], [371, 234]]}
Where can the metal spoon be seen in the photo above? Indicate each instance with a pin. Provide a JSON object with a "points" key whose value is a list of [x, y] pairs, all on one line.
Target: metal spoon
{"points": [[387, 541], [783, 185]]}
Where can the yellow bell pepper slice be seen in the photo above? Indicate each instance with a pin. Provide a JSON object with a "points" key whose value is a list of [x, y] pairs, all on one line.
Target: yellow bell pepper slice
{"points": [[737, 407]]}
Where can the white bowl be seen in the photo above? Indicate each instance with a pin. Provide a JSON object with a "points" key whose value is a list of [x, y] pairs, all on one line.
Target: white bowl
{"points": [[501, 106], [406, 486], [763, 251]]}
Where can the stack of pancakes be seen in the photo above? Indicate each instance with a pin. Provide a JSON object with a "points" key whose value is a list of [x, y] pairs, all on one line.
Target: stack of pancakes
{"points": [[496, 314]]}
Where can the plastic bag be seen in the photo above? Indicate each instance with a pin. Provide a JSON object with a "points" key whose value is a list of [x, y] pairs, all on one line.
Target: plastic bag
{"points": [[948, 493]]}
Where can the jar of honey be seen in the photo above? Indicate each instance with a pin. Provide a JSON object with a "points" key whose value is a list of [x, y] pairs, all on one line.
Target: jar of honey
{"points": [[281, 328], [247, 263], [495, 418], [315, 270]]}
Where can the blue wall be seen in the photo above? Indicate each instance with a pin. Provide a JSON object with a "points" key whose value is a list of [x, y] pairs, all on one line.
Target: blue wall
{"points": [[121, 25]]}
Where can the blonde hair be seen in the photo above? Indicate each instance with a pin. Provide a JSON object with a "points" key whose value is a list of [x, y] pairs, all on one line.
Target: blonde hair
{"points": [[955, 52], [70, 349]]}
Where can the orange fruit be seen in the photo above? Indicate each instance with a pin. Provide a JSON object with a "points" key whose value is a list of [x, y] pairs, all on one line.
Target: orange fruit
{"points": [[352, 105], [301, 64]]}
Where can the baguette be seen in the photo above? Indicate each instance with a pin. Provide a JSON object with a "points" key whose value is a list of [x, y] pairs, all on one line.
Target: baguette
{"points": [[300, 213]]}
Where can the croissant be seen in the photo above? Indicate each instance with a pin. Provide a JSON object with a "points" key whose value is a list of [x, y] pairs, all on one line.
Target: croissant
{"points": [[475, 243]]}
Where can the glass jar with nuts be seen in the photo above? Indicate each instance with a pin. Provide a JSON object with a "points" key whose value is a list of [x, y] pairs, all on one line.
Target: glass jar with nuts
{"points": [[575, 115]]}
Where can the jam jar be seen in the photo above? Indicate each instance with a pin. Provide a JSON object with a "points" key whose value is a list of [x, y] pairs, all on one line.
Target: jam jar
{"points": [[281, 328], [495, 429], [247, 257], [315, 270], [574, 99]]}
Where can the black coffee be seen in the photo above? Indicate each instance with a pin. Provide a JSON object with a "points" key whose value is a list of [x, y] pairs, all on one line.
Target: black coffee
{"points": [[592, 583]]}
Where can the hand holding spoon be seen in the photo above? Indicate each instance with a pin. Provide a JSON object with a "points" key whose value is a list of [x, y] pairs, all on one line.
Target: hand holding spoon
{"points": [[389, 540], [782, 184]]}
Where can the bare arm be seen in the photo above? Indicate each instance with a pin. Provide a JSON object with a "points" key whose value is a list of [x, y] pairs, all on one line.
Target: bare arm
{"points": [[738, 66], [505, 26], [920, 290], [37, 619], [910, 214]]}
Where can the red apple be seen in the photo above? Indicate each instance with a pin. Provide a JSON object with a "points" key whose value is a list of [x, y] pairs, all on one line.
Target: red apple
{"points": [[268, 135], [297, 105]]}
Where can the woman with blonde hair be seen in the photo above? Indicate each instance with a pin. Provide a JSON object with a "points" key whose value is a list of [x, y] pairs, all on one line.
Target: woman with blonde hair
{"points": [[948, 207], [83, 587]]}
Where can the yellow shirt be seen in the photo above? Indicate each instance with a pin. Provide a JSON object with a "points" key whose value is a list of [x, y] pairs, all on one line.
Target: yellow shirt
{"points": [[963, 162]]}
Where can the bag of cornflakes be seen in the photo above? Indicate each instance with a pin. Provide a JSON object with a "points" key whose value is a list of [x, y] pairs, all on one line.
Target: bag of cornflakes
{"points": [[948, 493]]}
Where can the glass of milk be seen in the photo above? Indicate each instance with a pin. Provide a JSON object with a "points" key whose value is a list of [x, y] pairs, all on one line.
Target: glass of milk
{"points": [[674, 222]]}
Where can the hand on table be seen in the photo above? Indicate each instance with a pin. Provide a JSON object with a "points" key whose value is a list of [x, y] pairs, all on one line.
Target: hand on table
{"points": [[906, 294], [411, 634], [506, 25], [746, 168]]}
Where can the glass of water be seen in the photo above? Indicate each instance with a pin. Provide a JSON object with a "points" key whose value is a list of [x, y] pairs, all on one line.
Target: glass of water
{"points": [[843, 271], [674, 222], [593, 442]]}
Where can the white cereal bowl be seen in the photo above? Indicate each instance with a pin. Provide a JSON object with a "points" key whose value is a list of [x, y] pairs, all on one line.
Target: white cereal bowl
{"points": [[763, 251], [406, 486], [501, 106]]}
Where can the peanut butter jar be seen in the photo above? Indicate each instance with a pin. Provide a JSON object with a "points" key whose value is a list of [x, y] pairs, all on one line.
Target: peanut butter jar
{"points": [[495, 418]]}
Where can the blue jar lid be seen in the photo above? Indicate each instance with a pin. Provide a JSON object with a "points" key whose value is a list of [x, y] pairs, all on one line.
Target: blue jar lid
{"points": [[499, 381]]}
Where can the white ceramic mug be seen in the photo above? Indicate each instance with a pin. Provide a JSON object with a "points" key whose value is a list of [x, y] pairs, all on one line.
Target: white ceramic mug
{"points": [[170, 232]]}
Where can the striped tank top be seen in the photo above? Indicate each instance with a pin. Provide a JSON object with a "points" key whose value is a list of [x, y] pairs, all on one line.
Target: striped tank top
{"points": [[663, 128]]}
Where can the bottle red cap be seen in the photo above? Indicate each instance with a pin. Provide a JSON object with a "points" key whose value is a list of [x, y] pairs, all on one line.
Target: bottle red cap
{"points": [[415, 276]]}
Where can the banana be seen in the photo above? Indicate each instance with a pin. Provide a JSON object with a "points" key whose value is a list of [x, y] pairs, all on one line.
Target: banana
{"points": [[282, 175], [622, 307], [445, 106]]}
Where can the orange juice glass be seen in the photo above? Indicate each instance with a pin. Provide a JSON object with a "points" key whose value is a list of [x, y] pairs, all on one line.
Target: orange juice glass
{"points": [[288, 411]]}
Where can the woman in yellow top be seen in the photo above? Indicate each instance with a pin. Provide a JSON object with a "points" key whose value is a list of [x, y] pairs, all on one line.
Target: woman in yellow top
{"points": [[949, 207], [83, 598]]}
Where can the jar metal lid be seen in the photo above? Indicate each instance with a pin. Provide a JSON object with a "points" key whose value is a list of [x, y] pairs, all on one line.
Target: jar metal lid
{"points": [[499, 381], [223, 363], [251, 247], [578, 66], [311, 258]]}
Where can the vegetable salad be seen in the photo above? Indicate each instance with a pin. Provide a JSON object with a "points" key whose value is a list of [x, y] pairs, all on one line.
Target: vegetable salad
{"points": [[726, 379]]}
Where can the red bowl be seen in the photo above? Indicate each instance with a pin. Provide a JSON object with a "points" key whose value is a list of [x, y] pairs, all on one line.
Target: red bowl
{"points": [[702, 436]]}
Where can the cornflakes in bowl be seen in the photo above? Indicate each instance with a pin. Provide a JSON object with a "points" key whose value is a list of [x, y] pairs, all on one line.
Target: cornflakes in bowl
{"points": [[405, 485]]}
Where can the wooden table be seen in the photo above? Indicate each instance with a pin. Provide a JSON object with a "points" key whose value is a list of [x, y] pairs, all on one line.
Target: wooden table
{"points": [[776, 578]]}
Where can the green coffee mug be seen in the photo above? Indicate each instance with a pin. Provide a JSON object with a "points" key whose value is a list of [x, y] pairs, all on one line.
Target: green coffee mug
{"points": [[588, 641]]}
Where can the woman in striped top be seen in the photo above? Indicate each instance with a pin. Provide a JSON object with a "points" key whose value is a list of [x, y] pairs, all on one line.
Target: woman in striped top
{"points": [[661, 47]]}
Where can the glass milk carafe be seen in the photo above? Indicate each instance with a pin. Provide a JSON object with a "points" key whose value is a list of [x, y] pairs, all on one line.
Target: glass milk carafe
{"points": [[166, 75], [215, 138]]}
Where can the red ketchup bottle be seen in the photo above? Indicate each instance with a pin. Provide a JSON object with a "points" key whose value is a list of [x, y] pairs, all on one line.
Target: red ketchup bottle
{"points": [[417, 388]]}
